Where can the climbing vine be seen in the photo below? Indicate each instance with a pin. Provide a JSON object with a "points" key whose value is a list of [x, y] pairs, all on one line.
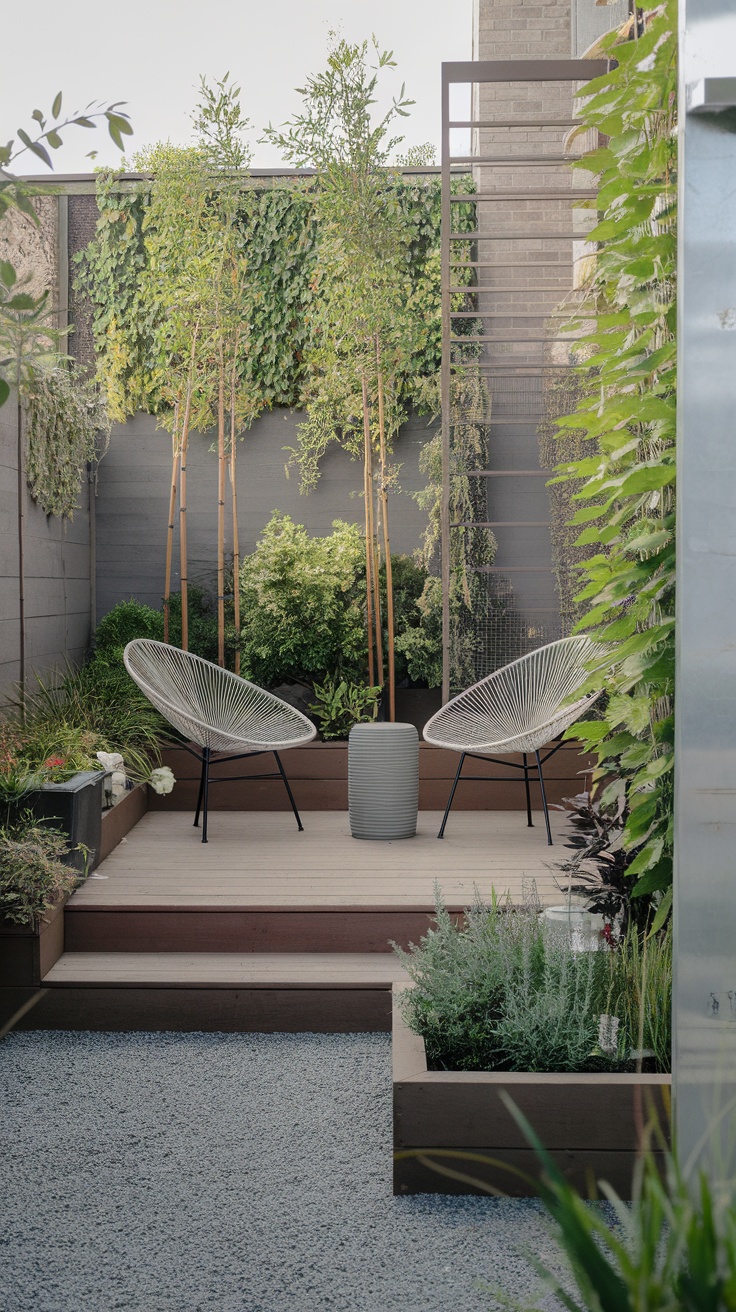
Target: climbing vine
{"points": [[65, 419], [626, 414], [280, 233]]}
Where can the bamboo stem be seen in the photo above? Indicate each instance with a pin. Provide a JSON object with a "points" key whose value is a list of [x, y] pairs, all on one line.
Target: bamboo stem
{"points": [[183, 558], [371, 539], [386, 545], [221, 509], [172, 516], [368, 548], [234, 491]]}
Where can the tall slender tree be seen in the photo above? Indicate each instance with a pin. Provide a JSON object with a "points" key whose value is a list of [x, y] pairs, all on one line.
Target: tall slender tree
{"points": [[176, 276], [220, 126], [363, 326]]}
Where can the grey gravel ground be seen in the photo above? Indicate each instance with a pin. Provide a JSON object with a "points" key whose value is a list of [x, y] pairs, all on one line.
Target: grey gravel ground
{"points": [[229, 1173]]}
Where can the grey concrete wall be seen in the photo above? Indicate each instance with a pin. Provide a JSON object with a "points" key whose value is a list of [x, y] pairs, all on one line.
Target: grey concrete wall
{"points": [[133, 489], [56, 568]]}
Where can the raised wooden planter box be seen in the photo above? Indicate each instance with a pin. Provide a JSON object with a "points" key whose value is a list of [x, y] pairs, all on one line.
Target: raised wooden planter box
{"points": [[26, 954], [319, 777], [587, 1122], [120, 819]]}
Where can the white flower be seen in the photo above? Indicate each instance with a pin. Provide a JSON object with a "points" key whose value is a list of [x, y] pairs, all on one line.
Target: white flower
{"points": [[162, 780], [608, 1034]]}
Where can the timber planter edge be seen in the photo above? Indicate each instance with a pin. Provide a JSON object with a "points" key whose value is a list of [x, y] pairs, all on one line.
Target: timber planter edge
{"points": [[588, 1122], [27, 953]]}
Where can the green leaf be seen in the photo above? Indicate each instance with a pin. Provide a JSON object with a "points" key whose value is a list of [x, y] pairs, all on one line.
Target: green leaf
{"points": [[663, 912], [22, 301], [4, 391], [7, 274], [56, 107]]}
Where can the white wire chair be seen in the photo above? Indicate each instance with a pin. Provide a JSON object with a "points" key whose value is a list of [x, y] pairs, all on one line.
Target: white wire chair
{"points": [[517, 709], [218, 711]]}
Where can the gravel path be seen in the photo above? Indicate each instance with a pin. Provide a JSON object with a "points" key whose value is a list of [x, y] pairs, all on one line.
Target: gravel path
{"points": [[226, 1173]]}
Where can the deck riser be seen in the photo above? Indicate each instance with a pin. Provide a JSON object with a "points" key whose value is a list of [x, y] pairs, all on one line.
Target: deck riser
{"points": [[225, 1010], [238, 930], [319, 778]]}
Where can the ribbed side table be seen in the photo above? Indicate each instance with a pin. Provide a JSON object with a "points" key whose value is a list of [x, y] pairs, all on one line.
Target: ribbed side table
{"points": [[383, 780]]}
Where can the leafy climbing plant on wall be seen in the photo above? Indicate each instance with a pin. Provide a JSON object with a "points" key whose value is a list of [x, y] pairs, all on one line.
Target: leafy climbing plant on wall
{"points": [[66, 423], [626, 505]]}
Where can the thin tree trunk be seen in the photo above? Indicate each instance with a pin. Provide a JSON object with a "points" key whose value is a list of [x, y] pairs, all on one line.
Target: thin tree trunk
{"points": [[234, 490], [183, 558], [367, 497], [387, 546], [172, 516], [221, 511], [371, 538]]}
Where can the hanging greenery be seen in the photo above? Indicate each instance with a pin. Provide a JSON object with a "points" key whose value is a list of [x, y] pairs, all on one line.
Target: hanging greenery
{"points": [[280, 228], [627, 416], [65, 421]]}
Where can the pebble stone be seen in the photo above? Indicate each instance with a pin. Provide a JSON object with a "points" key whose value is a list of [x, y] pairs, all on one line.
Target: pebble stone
{"points": [[232, 1173]]}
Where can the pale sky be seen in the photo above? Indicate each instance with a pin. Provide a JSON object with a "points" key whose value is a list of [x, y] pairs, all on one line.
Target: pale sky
{"points": [[150, 53]]}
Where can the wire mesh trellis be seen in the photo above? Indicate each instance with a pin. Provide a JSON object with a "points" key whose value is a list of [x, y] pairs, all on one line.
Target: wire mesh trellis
{"points": [[503, 284]]}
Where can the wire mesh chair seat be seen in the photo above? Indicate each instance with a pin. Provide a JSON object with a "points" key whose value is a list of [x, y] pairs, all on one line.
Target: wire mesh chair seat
{"points": [[217, 710], [518, 708]]}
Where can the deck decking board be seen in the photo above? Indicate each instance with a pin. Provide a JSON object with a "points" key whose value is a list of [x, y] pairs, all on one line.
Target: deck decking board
{"points": [[261, 861], [323, 970]]}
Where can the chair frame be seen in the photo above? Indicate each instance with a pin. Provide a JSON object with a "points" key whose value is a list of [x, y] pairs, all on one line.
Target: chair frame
{"points": [[208, 758], [509, 778], [516, 736]]}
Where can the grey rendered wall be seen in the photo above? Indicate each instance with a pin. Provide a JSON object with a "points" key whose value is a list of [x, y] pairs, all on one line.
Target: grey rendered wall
{"points": [[133, 488], [56, 569]]}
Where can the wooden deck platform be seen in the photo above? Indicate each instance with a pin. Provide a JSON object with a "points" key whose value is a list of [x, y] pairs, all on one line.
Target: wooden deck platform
{"points": [[266, 928], [261, 860]]}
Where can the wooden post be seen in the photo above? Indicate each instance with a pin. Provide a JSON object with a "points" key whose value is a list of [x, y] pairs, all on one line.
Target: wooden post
{"points": [[234, 493], [221, 509]]}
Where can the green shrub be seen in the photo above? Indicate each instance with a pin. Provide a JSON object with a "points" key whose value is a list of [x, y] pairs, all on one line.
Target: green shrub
{"points": [[97, 708], [421, 645], [671, 1249], [409, 580], [301, 604], [128, 620], [340, 705], [33, 875], [503, 990], [202, 624]]}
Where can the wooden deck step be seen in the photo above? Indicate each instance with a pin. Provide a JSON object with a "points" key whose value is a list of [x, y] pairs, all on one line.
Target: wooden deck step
{"points": [[322, 992], [253, 970], [261, 886]]}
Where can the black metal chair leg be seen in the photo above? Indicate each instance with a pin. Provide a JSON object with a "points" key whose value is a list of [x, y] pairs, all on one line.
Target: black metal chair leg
{"points": [[199, 797], [544, 800], [288, 789], [205, 789], [441, 834], [529, 821]]}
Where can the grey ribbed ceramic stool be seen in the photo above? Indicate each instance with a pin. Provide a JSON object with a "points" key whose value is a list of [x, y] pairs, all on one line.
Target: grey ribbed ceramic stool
{"points": [[383, 780]]}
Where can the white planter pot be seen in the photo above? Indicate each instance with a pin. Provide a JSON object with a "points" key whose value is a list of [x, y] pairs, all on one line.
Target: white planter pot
{"points": [[584, 927]]}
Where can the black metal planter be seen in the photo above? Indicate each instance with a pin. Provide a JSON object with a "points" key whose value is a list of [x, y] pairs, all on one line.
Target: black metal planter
{"points": [[74, 807]]}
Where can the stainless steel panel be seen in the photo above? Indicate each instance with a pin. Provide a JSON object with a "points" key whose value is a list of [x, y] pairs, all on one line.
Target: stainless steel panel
{"points": [[705, 784]]}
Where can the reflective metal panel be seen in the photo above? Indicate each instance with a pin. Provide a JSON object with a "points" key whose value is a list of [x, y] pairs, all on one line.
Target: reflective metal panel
{"points": [[705, 785]]}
